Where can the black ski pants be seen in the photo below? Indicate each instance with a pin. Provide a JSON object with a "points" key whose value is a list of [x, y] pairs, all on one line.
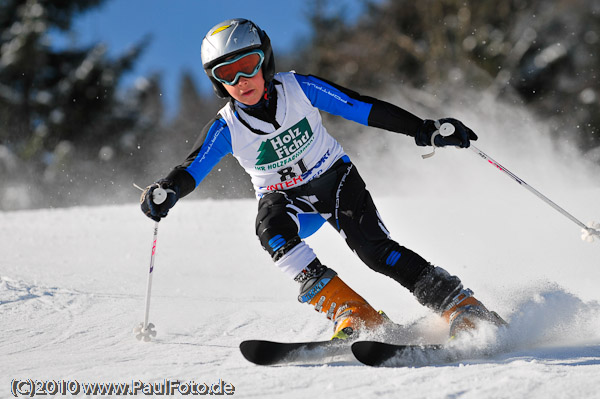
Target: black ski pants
{"points": [[340, 197]]}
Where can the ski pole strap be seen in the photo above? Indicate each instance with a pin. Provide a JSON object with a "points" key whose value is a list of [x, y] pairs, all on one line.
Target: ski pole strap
{"points": [[446, 129]]}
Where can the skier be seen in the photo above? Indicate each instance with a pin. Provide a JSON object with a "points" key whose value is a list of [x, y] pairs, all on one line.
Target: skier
{"points": [[302, 177]]}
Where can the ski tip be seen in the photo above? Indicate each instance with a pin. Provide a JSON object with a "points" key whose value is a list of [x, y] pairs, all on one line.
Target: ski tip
{"points": [[263, 353], [381, 354], [270, 353], [249, 351], [370, 353]]}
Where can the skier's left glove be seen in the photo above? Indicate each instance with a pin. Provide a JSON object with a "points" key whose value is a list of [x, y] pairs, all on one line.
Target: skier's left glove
{"points": [[157, 211], [461, 137]]}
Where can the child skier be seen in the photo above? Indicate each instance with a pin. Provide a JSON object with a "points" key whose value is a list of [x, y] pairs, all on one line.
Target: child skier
{"points": [[302, 178]]}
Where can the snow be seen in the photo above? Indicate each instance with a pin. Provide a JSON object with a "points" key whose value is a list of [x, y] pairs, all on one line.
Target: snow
{"points": [[73, 281]]}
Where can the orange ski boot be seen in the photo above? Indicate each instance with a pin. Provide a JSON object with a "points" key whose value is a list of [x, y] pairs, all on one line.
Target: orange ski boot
{"points": [[322, 288], [465, 312]]}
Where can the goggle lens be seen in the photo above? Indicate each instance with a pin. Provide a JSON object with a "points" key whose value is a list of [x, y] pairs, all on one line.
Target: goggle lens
{"points": [[246, 65]]}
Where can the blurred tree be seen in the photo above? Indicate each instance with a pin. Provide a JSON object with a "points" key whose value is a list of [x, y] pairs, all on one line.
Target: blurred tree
{"points": [[546, 51], [58, 106], [66, 130]]}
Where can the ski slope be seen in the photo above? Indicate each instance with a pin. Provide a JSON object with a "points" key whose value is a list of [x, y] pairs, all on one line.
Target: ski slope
{"points": [[73, 281]]}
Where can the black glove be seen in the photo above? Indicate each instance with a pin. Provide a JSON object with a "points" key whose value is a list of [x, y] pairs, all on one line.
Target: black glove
{"points": [[461, 137], [156, 211]]}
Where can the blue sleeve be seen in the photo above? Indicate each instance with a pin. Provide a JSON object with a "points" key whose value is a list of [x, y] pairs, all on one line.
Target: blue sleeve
{"points": [[329, 98], [213, 144]]}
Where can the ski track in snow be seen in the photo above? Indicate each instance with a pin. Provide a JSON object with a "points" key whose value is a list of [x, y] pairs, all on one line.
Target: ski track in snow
{"points": [[72, 289], [73, 281]]}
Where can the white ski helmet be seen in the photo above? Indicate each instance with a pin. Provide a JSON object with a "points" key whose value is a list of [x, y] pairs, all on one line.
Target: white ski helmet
{"points": [[232, 37]]}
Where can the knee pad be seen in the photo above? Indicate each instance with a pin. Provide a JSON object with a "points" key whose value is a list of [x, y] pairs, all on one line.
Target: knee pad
{"points": [[279, 246], [275, 228]]}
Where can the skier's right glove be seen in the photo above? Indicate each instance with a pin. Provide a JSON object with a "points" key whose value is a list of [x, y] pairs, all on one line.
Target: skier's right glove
{"points": [[157, 211]]}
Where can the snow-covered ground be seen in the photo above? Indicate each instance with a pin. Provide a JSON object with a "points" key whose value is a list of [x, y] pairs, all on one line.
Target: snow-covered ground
{"points": [[72, 281]]}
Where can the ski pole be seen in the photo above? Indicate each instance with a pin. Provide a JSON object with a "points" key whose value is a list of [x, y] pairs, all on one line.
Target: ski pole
{"points": [[145, 330], [588, 231]]}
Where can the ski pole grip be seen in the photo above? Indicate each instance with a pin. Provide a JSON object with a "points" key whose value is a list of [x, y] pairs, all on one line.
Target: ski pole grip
{"points": [[447, 129], [159, 195]]}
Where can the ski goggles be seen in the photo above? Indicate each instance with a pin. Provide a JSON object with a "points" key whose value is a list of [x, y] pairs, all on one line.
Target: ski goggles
{"points": [[247, 65]]}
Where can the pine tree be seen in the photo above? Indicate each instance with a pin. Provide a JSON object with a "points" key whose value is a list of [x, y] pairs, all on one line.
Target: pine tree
{"points": [[60, 109]]}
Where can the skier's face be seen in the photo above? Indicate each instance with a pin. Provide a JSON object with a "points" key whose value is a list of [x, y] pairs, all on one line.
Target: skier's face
{"points": [[247, 90]]}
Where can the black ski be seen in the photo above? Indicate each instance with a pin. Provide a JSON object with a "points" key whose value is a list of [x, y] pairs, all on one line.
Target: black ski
{"points": [[267, 353], [373, 353]]}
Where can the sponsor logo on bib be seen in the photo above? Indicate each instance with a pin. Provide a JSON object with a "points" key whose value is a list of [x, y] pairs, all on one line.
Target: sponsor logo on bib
{"points": [[284, 148]]}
